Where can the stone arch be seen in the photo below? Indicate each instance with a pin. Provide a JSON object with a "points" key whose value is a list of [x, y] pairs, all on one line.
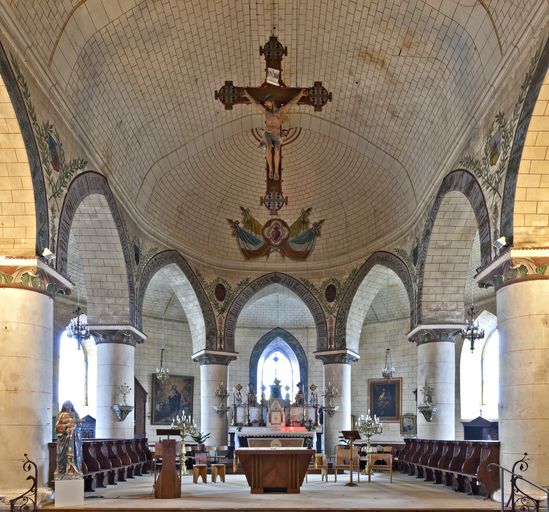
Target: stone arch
{"points": [[532, 231], [29, 210], [382, 258], [292, 284], [203, 330], [292, 341], [465, 183], [85, 187]]}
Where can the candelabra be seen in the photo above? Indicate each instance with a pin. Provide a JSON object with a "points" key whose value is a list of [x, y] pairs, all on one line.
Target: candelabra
{"points": [[222, 394], [369, 427], [330, 393], [122, 410], [472, 330], [185, 426]]}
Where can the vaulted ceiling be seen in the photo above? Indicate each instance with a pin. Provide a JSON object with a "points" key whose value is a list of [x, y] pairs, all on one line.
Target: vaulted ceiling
{"points": [[407, 77]]}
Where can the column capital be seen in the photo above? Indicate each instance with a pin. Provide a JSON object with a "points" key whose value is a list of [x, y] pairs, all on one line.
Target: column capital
{"points": [[214, 357], [32, 274], [344, 356], [515, 265], [433, 333], [121, 334]]}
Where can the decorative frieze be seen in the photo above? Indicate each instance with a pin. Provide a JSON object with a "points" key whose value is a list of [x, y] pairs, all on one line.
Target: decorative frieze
{"points": [[344, 356], [515, 265], [33, 274], [214, 357], [121, 334], [434, 333]]}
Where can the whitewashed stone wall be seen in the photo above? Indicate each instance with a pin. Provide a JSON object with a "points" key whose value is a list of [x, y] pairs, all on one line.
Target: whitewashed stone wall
{"points": [[374, 340], [178, 345]]}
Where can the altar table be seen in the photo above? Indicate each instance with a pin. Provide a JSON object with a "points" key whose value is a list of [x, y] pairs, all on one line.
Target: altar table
{"points": [[275, 469]]}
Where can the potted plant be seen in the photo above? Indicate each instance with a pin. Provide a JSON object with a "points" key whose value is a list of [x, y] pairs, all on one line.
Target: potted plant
{"points": [[200, 438]]}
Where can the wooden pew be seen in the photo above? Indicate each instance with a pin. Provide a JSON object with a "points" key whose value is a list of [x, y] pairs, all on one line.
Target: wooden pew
{"points": [[462, 465]]}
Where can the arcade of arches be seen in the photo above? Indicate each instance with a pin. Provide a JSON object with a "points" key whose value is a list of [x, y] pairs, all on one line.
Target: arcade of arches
{"points": [[118, 170]]}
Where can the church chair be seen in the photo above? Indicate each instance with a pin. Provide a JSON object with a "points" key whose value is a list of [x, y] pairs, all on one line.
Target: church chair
{"points": [[200, 467], [318, 462], [343, 459], [382, 462]]}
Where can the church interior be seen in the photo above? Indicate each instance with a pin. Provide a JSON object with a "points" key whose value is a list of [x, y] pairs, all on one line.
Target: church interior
{"points": [[296, 249]]}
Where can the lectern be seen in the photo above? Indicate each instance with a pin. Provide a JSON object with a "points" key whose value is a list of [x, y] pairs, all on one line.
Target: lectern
{"points": [[351, 435], [168, 483]]}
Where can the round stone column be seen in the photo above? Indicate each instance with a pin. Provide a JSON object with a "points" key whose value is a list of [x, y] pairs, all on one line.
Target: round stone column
{"points": [[523, 326], [213, 372], [436, 367], [26, 388], [115, 367], [337, 373]]}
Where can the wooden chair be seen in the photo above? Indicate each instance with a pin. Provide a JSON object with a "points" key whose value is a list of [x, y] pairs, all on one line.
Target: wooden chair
{"points": [[343, 460], [200, 467], [386, 459], [319, 461]]}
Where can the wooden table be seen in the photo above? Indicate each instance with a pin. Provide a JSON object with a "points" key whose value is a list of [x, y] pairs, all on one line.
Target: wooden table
{"points": [[373, 457], [275, 469]]}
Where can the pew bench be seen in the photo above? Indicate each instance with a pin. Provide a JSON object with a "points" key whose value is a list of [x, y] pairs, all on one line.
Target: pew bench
{"points": [[462, 465]]}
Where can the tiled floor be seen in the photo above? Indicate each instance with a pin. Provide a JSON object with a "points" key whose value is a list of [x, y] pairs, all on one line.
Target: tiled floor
{"points": [[405, 493]]}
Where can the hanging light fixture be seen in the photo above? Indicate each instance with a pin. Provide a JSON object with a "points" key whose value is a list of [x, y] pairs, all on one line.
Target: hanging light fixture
{"points": [[78, 325], [388, 371], [162, 373], [472, 330]]}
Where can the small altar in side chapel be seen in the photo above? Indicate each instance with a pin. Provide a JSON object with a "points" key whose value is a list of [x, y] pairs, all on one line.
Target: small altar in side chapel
{"points": [[277, 421]]}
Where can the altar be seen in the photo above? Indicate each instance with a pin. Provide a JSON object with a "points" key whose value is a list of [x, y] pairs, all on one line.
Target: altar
{"points": [[239, 436], [275, 469]]}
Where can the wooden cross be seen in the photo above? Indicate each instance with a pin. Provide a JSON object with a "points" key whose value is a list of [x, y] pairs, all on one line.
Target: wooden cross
{"points": [[317, 96]]}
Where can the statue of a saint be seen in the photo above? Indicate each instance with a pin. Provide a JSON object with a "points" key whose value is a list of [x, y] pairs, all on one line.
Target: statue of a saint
{"points": [[300, 396], [69, 443], [273, 123]]}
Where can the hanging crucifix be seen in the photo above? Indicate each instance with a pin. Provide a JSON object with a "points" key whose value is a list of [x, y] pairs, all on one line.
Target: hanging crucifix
{"points": [[273, 98]]}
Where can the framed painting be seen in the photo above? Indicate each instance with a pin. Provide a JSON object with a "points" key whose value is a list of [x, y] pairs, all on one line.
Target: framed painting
{"points": [[408, 425], [385, 398], [170, 398]]}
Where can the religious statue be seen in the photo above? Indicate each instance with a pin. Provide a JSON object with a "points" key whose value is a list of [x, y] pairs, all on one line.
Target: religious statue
{"points": [[237, 395], [69, 443], [313, 395], [252, 399], [300, 396], [272, 141]]}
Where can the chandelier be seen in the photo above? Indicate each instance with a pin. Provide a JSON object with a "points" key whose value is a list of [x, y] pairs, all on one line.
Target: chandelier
{"points": [[162, 373], [388, 371], [78, 327], [472, 330]]}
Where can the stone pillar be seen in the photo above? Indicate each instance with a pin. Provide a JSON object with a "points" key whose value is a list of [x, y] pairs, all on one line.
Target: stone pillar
{"points": [[337, 372], [523, 326], [436, 367], [213, 372], [521, 278], [115, 367], [26, 351]]}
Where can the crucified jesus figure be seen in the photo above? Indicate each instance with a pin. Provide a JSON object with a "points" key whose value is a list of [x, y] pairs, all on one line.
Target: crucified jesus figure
{"points": [[273, 123]]}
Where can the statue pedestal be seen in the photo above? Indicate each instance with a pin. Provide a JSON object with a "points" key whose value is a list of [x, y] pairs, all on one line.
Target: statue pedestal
{"points": [[69, 492]]}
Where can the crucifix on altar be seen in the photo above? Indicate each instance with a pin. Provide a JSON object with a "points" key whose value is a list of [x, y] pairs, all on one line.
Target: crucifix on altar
{"points": [[273, 98]]}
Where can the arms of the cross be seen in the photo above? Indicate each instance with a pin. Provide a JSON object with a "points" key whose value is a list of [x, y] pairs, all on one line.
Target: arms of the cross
{"points": [[317, 96]]}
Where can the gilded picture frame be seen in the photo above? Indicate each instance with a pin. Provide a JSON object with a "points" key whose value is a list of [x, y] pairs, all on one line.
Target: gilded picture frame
{"points": [[385, 398], [168, 399], [408, 425]]}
